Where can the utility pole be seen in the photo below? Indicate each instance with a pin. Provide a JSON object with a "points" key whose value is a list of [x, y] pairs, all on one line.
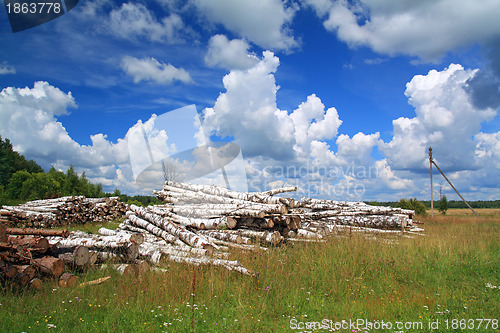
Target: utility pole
{"points": [[431, 161], [432, 188]]}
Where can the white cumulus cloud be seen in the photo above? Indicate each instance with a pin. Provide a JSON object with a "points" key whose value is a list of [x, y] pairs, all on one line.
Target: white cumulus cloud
{"points": [[28, 117], [305, 147], [405, 27], [133, 20], [445, 119], [150, 69], [247, 111], [295, 148], [263, 22], [229, 54]]}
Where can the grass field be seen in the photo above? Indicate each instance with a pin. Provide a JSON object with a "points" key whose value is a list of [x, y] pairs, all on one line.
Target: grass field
{"points": [[464, 212], [445, 281]]}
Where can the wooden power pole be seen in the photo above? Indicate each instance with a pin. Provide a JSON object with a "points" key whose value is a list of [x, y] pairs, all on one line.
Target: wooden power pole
{"points": [[431, 161], [432, 188]]}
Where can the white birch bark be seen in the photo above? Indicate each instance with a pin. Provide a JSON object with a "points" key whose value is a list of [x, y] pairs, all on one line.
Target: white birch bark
{"points": [[271, 237], [263, 197], [199, 223], [136, 238], [101, 243], [189, 197], [222, 236], [228, 264], [308, 234], [153, 229], [304, 240], [208, 210], [182, 233]]}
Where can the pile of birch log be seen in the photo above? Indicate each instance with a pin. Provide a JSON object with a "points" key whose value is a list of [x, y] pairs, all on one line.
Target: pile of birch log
{"points": [[197, 225], [322, 217], [201, 224], [28, 257], [62, 211]]}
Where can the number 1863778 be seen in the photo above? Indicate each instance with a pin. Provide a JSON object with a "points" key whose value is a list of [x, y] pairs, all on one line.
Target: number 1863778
{"points": [[34, 8]]}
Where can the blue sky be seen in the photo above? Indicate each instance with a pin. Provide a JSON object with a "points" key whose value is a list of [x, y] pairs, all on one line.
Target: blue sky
{"points": [[349, 94]]}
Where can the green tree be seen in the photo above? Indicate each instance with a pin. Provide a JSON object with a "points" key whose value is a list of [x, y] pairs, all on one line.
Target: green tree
{"points": [[15, 185], [71, 182], [443, 204], [58, 180], [38, 186], [3, 196], [11, 162], [22, 179], [96, 191], [412, 204]]}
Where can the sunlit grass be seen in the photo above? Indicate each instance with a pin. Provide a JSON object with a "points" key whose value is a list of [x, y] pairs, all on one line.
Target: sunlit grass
{"points": [[94, 227], [444, 275]]}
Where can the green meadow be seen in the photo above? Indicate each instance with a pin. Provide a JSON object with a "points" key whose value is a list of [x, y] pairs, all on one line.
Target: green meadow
{"points": [[445, 281]]}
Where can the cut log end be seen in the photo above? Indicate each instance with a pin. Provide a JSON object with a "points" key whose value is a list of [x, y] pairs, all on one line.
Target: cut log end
{"points": [[81, 255], [9, 271], [231, 222], [132, 251], [50, 265], [68, 280], [36, 284]]}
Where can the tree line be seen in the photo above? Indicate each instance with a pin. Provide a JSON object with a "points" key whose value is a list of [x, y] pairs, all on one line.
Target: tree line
{"points": [[23, 180], [451, 203]]}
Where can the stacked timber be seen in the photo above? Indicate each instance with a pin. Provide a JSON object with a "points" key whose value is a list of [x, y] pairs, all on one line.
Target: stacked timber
{"points": [[172, 237], [62, 211], [213, 207], [200, 224], [110, 248], [326, 216], [28, 258]]}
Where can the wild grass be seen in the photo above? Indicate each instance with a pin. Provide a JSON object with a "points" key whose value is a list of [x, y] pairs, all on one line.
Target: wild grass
{"points": [[448, 274], [93, 228]]}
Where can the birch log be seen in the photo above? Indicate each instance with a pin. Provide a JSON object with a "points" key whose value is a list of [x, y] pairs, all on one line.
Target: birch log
{"points": [[223, 236], [188, 197], [137, 238], [271, 237], [224, 192], [80, 256], [303, 233], [209, 210], [154, 229], [117, 245], [182, 233]]}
